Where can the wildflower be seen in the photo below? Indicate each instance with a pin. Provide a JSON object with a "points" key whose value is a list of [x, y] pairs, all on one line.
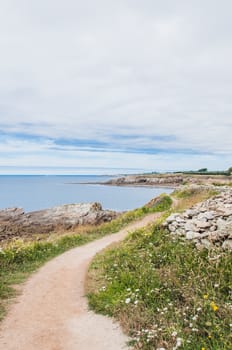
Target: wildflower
{"points": [[203, 348], [174, 334], [178, 343], [194, 329], [127, 301], [214, 306], [216, 285], [205, 296]]}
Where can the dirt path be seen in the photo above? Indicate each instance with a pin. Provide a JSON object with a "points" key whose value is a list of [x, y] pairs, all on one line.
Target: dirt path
{"points": [[52, 312]]}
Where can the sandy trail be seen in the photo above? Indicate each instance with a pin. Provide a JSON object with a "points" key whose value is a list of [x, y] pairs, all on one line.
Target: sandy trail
{"points": [[52, 312]]}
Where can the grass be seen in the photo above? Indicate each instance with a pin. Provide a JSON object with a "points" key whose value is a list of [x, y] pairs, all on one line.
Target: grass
{"points": [[18, 259], [164, 292], [222, 184], [189, 196]]}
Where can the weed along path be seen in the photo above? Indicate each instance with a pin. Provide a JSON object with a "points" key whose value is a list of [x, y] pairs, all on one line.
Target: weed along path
{"points": [[52, 313]]}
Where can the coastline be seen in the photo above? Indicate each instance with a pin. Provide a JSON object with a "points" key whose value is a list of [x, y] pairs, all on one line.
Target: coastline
{"points": [[125, 184], [51, 191], [170, 180]]}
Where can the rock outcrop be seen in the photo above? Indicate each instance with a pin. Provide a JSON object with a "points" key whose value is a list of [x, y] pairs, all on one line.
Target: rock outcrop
{"points": [[15, 222], [139, 180], [208, 223], [169, 180]]}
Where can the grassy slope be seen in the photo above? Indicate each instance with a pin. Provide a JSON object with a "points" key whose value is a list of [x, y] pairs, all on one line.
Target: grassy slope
{"points": [[19, 259], [164, 292]]}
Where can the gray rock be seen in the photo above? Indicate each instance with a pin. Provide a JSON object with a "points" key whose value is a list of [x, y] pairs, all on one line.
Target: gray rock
{"points": [[202, 224], [11, 214], [206, 243], [180, 219], [215, 236], [227, 212], [190, 226], [172, 218], [172, 228], [221, 223], [190, 213], [192, 235], [227, 244], [208, 215]]}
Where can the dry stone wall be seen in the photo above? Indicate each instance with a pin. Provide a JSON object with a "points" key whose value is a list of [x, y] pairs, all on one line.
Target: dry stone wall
{"points": [[208, 223]]}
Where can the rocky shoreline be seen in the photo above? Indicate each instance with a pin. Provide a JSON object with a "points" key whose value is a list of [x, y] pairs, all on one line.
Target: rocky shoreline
{"points": [[14, 222], [168, 180]]}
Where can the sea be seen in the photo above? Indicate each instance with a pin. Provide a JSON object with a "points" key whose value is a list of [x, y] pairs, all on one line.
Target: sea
{"points": [[35, 192]]}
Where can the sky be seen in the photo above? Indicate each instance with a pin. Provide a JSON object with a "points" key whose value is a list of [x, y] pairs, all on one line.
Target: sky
{"points": [[115, 86]]}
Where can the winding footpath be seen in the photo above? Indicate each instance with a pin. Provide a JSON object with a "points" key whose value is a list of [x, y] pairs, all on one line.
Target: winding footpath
{"points": [[52, 312]]}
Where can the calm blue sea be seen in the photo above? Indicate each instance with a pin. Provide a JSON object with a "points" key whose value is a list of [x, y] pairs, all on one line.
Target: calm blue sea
{"points": [[39, 192]]}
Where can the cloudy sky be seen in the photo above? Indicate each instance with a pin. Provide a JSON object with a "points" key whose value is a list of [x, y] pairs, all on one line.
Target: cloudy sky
{"points": [[108, 86]]}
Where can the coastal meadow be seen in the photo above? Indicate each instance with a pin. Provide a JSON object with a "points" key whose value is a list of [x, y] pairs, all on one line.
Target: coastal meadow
{"points": [[19, 258], [165, 293]]}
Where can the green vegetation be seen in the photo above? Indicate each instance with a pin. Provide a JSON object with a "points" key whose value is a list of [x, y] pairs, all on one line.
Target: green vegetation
{"points": [[189, 196], [18, 259], [192, 192], [222, 184], [205, 171], [202, 170], [164, 292]]}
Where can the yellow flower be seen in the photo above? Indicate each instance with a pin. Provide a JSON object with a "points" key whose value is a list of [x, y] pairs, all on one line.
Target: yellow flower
{"points": [[203, 348], [214, 306], [205, 296]]}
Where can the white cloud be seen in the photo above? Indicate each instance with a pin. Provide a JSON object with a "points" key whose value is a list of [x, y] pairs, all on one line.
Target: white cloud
{"points": [[84, 70]]}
